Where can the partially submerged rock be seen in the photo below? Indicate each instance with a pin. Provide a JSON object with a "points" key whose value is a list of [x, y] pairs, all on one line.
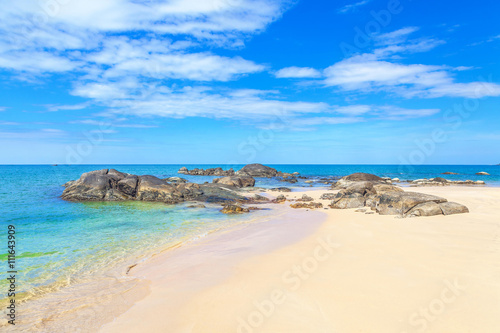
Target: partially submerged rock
{"points": [[112, 185], [482, 173]]}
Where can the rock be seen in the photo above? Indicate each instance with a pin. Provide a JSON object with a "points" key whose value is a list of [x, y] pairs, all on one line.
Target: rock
{"points": [[327, 196], [308, 181], [482, 173], [279, 199], [112, 185], [196, 206], [310, 205], [71, 182], [399, 203], [450, 208], [396, 180], [449, 173], [220, 193], [241, 181], [361, 210], [234, 209], [305, 197], [430, 208], [151, 188], [207, 172], [440, 180], [281, 189], [259, 198], [92, 186], [361, 176], [175, 180], [295, 173], [128, 185], [190, 191], [257, 170], [382, 188], [290, 180], [346, 201], [480, 182]]}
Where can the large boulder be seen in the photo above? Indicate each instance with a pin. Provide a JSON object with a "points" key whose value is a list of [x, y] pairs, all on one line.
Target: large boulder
{"points": [[92, 186], [346, 201], [220, 193], [400, 203], [128, 185], [429, 208], [450, 208], [151, 188], [257, 170], [361, 176], [242, 181]]}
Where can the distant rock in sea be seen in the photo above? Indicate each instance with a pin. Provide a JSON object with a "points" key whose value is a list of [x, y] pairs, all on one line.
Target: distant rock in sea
{"points": [[449, 173], [482, 173]]}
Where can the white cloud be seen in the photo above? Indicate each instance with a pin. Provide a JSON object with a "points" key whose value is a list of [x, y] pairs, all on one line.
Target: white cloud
{"points": [[298, 72], [3, 108], [350, 7], [380, 71]]}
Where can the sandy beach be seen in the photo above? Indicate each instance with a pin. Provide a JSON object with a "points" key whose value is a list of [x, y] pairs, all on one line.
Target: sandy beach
{"points": [[332, 271]]}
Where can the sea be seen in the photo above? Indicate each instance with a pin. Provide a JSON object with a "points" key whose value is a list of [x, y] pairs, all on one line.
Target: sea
{"points": [[59, 243]]}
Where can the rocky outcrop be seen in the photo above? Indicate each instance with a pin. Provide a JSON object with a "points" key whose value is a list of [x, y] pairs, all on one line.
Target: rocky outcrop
{"points": [[207, 172], [112, 185], [236, 181], [449, 173], [354, 178], [388, 199], [257, 170], [361, 176], [482, 173], [400, 203]]}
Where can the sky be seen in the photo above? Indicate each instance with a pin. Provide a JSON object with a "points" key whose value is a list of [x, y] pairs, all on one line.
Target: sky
{"points": [[243, 81]]}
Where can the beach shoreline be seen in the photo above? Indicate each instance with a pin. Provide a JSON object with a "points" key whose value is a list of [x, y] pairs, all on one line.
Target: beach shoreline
{"points": [[241, 269], [365, 276]]}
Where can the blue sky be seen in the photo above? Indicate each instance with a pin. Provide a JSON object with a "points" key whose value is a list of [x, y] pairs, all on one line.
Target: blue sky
{"points": [[240, 81]]}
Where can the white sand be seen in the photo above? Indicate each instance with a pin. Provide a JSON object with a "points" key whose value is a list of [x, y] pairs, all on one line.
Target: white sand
{"points": [[351, 273]]}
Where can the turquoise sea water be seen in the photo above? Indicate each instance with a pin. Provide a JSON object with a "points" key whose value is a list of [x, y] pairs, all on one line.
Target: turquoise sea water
{"points": [[58, 241]]}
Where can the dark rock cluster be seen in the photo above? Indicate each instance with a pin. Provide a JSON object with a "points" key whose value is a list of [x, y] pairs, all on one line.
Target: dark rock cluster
{"points": [[363, 190]]}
